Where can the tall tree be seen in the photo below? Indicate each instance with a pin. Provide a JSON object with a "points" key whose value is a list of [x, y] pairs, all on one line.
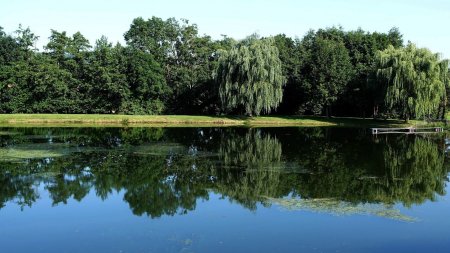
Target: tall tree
{"points": [[26, 41], [109, 87], [362, 96], [250, 77], [190, 70], [186, 58], [154, 36], [415, 80], [71, 53], [325, 72], [9, 49], [38, 85], [146, 81], [291, 62]]}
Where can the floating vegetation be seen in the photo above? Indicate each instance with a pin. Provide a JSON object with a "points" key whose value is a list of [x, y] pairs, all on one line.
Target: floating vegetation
{"points": [[35, 151], [159, 149], [336, 207], [4, 133], [48, 174]]}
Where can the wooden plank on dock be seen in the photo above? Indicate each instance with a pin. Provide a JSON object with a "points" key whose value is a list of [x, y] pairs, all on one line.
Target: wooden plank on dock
{"points": [[408, 130]]}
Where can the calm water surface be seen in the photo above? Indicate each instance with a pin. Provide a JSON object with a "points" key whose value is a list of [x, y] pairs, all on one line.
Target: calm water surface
{"points": [[222, 190]]}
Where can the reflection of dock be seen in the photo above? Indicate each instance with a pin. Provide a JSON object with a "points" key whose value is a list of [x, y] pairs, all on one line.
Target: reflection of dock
{"points": [[408, 130]]}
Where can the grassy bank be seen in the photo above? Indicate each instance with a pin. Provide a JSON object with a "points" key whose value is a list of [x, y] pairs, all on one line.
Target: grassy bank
{"points": [[113, 120], [188, 120]]}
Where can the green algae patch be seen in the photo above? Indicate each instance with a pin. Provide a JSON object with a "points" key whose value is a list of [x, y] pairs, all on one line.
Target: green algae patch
{"points": [[6, 133], [35, 151], [341, 208], [159, 149]]}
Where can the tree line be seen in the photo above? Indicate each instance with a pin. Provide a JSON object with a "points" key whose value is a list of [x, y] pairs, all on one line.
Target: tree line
{"points": [[167, 67]]}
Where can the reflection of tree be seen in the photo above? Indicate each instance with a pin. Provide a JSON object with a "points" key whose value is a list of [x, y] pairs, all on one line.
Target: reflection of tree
{"points": [[16, 187], [248, 166], [415, 171], [68, 181], [161, 190], [251, 167], [151, 187], [396, 169], [251, 151], [92, 137]]}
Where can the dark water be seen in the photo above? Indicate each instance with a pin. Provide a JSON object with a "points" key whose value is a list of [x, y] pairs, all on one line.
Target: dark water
{"points": [[222, 190]]}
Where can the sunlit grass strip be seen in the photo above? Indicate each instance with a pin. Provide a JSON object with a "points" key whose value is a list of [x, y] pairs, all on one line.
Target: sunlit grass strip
{"points": [[114, 120], [187, 120]]}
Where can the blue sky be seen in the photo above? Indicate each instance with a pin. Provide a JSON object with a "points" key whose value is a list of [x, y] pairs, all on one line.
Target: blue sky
{"points": [[424, 22]]}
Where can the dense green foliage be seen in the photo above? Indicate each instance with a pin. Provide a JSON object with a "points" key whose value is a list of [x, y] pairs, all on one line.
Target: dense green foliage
{"points": [[325, 71], [167, 67]]}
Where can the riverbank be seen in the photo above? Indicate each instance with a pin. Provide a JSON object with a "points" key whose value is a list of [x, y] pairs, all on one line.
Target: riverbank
{"points": [[96, 120]]}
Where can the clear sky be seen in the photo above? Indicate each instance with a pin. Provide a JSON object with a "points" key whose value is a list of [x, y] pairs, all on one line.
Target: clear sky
{"points": [[424, 22]]}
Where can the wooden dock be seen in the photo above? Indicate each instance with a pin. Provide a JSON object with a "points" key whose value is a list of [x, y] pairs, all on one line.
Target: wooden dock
{"points": [[408, 130]]}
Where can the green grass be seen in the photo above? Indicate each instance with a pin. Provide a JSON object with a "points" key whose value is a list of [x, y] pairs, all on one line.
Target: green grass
{"points": [[62, 120], [112, 120]]}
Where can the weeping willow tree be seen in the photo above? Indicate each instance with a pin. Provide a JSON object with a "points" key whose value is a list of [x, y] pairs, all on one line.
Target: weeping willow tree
{"points": [[250, 77], [415, 78]]}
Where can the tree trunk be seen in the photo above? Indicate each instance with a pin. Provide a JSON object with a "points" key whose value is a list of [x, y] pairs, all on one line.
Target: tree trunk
{"points": [[375, 111], [407, 118]]}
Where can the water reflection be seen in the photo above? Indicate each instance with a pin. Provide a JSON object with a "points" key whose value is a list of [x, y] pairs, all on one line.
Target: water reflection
{"points": [[166, 171]]}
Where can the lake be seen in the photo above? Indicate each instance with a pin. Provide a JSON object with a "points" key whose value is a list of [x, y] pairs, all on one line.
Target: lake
{"points": [[222, 190]]}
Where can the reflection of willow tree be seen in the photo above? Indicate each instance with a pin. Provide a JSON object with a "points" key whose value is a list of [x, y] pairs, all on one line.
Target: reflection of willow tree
{"points": [[327, 167], [251, 167], [403, 169], [252, 151], [415, 172]]}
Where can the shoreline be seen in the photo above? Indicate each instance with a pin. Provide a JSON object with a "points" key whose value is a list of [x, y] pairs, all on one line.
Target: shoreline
{"points": [[111, 120]]}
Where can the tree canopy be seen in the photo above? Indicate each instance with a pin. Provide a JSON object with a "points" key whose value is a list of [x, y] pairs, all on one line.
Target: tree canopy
{"points": [[325, 72]]}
